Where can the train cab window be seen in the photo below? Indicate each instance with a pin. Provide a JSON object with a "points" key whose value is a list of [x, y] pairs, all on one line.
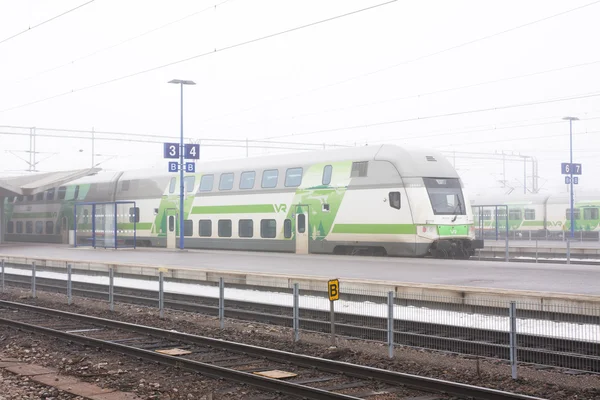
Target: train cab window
{"points": [[10, 227], [293, 177], [247, 179], [39, 197], [19, 226], [76, 194], [246, 228], [188, 227], [359, 169], [268, 228], [62, 192], [29, 227], [301, 223], [529, 214], [226, 181], [269, 178], [172, 185], [327, 170], [287, 228], [188, 183], [50, 195], [205, 228], [575, 213], [590, 213], [134, 214], [49, 227], [224, 228], [39, 227], [206, 183], [395, 200], [515, 215]]}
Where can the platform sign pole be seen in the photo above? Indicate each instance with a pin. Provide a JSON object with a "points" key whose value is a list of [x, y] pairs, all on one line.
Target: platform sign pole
{"points": [[390, 324], [513, 338], [333, 288], [69, 284]]}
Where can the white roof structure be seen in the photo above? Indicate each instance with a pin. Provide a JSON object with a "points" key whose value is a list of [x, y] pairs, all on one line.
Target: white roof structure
{"points": [[26, 185]]}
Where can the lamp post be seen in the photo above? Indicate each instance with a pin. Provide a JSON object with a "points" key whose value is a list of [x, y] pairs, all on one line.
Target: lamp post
{"points": [[181, 82], [571, 119]]}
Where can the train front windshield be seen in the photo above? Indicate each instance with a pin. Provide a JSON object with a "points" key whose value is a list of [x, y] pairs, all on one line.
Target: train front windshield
{"points": [[446, 196]]}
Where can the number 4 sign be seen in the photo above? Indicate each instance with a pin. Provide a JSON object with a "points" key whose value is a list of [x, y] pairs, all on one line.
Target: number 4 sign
{"points": [[191, 151]]}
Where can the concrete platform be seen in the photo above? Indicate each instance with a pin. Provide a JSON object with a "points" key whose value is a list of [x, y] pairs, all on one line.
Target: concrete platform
{"points": [[277, 269]]}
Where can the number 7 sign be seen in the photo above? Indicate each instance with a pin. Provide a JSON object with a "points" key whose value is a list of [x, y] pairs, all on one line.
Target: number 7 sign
{"points": [[191, 151]]}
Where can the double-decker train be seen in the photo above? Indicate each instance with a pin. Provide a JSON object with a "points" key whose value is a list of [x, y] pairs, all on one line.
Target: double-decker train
{"points": [[379, 200]]}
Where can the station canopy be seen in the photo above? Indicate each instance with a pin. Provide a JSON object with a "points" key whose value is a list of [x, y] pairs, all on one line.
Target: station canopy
{"points": [[30, 184]]}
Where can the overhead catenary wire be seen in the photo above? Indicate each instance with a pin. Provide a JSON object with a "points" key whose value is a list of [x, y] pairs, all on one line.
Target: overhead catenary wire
{"points": [[45, 22], [215, 51], [406, 62]]}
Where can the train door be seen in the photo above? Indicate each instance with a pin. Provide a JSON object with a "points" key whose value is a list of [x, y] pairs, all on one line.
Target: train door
{"points": [[171, 215], [302, 230], [64, 231]]}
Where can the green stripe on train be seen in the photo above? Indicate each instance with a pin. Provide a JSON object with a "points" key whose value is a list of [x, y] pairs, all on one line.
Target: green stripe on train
{"points": [[237, 209], [390, 229]]}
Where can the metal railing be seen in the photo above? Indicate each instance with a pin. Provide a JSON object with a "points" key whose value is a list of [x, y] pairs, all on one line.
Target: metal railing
{"points": [[517, 331]]}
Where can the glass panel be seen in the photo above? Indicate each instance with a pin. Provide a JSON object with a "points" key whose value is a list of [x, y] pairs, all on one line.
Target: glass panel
{"points": [[205, 227], [226, 182], [293, 177], [247, 180], [224, 228], [446, 196], [327, 170], [246, 228], [269, 178], [301, 223], [268, 228], [206, 183], [287, 228]]}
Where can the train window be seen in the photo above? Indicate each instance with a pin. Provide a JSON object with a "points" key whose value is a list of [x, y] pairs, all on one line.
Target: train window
{"points": [[20, 198], [395, 200], [19, 226], [575, 213], [287, 228], [247, 180], [171, 223], [39, 197], [246, 228], [124, 186], [50, 195], [76, 194], [188, 183], [206, 183], [188, 227], [62, 192], [226, 181], [29, 227], [10, 227], [268, 228], [529, 214], [172, 185], [293, 177], [134, 214], [514, 215], [49, 227], [39, 227], [327, 170], [205, 227], [269, 178], [359, 169], [224, 228], [301, 223], [590, 213], [30, 197]]}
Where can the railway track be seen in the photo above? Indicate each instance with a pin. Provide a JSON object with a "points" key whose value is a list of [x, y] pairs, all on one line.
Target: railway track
{"points": [[312, 378], [563, 353]]}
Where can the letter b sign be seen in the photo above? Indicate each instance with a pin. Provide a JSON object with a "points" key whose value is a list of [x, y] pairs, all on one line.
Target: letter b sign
{"points": [[333, 287]]}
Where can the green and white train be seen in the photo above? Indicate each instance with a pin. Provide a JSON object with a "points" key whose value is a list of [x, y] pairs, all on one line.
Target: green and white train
{"points": [[540, 216], [379, 200]]}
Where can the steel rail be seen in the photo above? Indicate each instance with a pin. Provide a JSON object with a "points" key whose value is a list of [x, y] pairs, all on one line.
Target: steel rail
{"points": [[486, 343], [363, 372]]}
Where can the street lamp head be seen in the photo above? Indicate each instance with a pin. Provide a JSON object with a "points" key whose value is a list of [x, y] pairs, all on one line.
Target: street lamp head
{"points": [[571, 119], [183, 82]]}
